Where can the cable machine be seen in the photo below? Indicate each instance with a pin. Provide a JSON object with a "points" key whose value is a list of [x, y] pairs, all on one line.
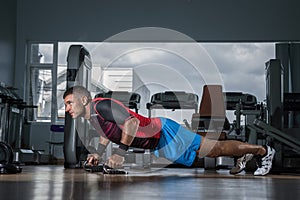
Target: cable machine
{"points": [[78, 73]]}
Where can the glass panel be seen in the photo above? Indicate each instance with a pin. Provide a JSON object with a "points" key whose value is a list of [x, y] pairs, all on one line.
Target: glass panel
{"points": [[42, 53], [41, 93], [61, 87], [238, 64]]}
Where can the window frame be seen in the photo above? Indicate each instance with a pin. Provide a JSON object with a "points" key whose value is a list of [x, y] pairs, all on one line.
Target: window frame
{"points": [[53, 118]]}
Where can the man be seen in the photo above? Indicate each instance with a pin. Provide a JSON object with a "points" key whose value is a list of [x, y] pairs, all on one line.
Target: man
{"points": [[116, 123]]}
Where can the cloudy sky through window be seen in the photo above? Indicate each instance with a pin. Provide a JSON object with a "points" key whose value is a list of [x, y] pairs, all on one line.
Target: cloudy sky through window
{"points": [[241, 66]]}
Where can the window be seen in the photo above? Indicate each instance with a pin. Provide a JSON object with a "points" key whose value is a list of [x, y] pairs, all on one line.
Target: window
{"points": [[239, 64], [41, 92], [42, 70], [41, 53]]}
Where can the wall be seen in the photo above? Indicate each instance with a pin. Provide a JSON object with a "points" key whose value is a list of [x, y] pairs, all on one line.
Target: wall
{"points": [[7, 41], [202, 20]]}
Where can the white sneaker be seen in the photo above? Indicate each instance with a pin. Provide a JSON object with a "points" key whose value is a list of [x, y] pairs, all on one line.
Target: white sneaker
{"points": [[241, 163], [265, 164]]}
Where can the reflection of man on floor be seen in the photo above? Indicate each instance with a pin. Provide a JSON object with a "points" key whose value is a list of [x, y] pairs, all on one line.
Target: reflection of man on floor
{"points": [[117, 123]]}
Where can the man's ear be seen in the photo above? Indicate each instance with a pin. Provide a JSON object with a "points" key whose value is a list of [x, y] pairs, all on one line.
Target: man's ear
{"points": [[84, 100]]}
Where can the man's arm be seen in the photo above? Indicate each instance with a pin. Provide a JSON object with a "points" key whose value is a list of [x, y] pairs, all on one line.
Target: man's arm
{"points": [[129, 130], [114, 112], [128, 133], [95, 158], [103, 140]]}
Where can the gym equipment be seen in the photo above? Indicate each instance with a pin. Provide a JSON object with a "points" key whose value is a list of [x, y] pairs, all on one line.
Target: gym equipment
{"points": [[78, 73], [6, 153], [6, 160], [12, 114], [211, 116], [129, 99], [288, 145], [173, 100], [246, 105], [281, 126], [248, 101], [102, 168], [288, 140], [275, 122]]}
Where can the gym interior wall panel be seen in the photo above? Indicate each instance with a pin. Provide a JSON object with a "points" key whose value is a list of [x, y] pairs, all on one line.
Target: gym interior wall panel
{"points": [[7, 40], [214, 20]]}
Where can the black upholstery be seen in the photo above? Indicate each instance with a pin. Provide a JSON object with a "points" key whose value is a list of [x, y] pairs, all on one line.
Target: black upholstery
{"points": [[291, 101], [248, 101], [129, 99], [173, 100]]}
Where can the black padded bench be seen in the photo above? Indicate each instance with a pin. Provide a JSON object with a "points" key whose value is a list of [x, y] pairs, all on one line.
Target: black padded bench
{"points": [[129, 99], [173, 100]]}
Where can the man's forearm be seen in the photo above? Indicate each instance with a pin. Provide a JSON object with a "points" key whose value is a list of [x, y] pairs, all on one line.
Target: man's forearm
{"points": [[128, 133], [103, 140]]}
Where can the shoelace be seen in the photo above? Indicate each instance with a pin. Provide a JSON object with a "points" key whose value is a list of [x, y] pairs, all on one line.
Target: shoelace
{"points": [[263, 161]]}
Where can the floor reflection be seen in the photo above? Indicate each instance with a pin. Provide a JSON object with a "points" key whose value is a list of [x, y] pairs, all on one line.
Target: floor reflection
{"points": [[55, 182]]}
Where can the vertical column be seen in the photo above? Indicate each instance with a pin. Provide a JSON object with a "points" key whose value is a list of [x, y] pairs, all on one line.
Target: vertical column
{"points": [[295, 81], [282, 51], [283, 54], [274, 93]]}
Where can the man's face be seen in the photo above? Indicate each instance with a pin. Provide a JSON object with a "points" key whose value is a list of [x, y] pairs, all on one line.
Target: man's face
{"points": [[74, 106]]}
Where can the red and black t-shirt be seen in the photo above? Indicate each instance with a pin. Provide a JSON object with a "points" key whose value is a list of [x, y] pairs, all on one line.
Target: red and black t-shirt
{"points": [[109, 115]]}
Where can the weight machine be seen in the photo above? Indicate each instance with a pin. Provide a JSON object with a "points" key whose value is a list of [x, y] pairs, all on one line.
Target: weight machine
{"points": [[78, 73], [277, 121]]}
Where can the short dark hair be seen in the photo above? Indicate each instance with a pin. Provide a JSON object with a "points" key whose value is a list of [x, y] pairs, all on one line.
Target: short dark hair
{"points": [[78, 89]]}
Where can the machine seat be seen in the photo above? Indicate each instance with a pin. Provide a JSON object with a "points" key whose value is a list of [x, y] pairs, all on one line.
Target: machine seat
{"points": [[211, 117], [129, 99], [173, 100]]}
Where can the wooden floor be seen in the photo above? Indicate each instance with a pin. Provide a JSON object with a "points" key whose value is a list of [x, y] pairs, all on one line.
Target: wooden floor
{"points": [[54, 182]]}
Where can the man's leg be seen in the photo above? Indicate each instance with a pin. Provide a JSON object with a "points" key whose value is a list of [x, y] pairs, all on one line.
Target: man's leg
{"points": [[215, 148], [240, 163]]}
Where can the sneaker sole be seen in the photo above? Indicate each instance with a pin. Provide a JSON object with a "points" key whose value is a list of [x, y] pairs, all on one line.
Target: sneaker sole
{"points": [[237, 172]]}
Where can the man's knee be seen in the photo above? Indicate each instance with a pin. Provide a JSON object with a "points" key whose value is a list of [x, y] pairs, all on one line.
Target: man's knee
{"points": [[216, 150]]}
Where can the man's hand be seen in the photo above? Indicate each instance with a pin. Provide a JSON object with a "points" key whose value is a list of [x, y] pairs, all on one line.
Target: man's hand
{"points": [[93, 159], [115, 161]]}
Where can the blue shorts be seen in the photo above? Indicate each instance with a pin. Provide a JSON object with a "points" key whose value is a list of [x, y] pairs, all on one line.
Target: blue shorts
{"points": [[177, 143]]}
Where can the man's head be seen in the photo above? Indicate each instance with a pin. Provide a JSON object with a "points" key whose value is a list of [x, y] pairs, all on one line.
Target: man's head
{"points": [[77, 101]]}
